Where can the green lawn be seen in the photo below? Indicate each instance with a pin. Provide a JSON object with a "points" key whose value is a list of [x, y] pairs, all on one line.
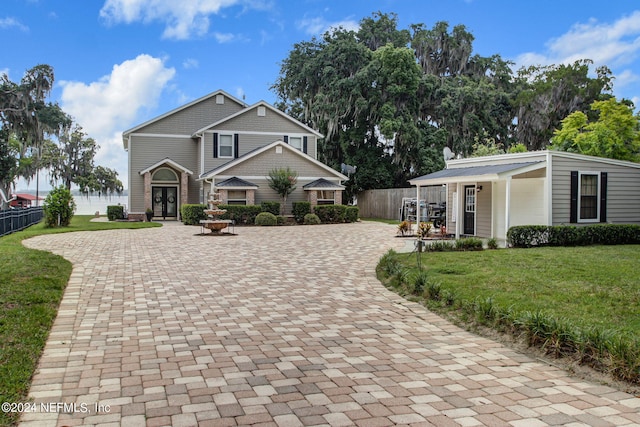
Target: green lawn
{"points": [[599, 285], [577, 289], [31, 286]]}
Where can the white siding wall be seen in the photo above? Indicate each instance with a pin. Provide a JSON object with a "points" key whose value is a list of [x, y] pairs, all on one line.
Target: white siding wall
{"points": [[527, 202]]}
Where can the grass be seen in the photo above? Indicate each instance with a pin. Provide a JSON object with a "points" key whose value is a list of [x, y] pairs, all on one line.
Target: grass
{"points": [[562, 299], [32, 283]]}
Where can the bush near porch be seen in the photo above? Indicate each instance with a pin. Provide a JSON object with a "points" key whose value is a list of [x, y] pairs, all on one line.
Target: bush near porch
{"points": [[526, 236]]}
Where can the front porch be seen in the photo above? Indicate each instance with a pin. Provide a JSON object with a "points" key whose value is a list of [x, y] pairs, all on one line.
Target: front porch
{"points": [[485, 201]]}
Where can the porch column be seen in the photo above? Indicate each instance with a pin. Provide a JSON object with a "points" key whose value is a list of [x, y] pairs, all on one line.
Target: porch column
{"points": [[507, 207], [460, 208], [184, 190], [418, 205], [147, 191], [251, 197], [337, 197], [223, 196], [313, 198]]}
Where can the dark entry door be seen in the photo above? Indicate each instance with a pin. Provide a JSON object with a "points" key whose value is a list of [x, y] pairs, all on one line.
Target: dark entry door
{"points": [[469, 209], [165, 202]]}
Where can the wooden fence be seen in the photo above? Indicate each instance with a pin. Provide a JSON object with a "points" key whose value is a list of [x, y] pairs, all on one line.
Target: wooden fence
{"points": [[386, 203]]}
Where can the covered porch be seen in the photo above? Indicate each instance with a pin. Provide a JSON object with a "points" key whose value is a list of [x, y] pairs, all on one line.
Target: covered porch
{"points": [[485, 201]]}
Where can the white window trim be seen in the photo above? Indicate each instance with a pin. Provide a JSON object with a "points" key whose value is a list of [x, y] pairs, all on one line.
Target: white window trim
{"points": [[220, 156], [598, 192], [298, 137]]}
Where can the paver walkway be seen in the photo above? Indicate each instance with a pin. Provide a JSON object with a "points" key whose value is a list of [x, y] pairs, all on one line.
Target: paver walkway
{"points": [[278, 326]]}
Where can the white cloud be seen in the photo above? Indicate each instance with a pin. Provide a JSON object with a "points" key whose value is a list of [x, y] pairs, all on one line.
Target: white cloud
{"points": [[625, 78], [9, 23], [110, 105], [224, 37], [611, 44], [240, 94], [318, 25], [190, 63], [182, 19]]}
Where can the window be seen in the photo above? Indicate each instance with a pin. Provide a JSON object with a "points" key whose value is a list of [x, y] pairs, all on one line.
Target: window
{"points": [[326, 197], [237, 197], [164, 174], [225, 147], [295, 142], [588, 197]]}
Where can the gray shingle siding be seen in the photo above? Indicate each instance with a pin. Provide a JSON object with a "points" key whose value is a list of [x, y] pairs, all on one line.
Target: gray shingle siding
{"points": [[623, 189], [193, 118], [145, 151], [261, 164]]}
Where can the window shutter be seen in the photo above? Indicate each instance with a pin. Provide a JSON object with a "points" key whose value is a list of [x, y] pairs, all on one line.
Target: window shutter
{"points": [[304, 144], [286, 139], [235, 145], [215, 145], [603, 196], [573, 212]]}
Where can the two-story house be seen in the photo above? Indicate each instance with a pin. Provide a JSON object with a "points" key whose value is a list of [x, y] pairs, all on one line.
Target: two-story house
{"points": [[218, 144]]}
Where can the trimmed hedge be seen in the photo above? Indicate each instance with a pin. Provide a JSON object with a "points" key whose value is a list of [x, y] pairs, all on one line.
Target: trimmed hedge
{"points": [[526, 236], [266, 218], [329, 214], [115, 212], [311, 219], [271, 207], [241, 214], [300, 209], [192, 214], [351, 214]]}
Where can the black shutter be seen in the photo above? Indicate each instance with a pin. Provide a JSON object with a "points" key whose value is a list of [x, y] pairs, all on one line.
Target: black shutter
{"points": [[573, 212], [286, 139], [603, 196], [235, 145], [304, 144], [215, 145]]}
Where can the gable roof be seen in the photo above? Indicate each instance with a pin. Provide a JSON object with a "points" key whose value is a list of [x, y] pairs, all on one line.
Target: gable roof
{"points": [[251, 107], [236, 183], [258, 151], [323, 184], [175, 110], [169, 162], [477, 173]]}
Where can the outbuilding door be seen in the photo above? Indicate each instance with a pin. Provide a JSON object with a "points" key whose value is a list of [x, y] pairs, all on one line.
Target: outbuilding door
{"points": [[469, 210], [165, 202]]}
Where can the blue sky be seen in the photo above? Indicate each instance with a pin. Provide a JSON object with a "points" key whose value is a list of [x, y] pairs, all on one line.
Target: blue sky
{"points": [[119, 63]]}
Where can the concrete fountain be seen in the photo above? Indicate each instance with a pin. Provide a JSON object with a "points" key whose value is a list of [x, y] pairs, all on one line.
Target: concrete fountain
{"points": [[213, 222]]}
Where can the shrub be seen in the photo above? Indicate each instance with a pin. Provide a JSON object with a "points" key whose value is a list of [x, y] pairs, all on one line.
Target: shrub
{"points": [[404, 228], [492, 243], [300, 209], [420, 281], [115, 212], [526, 236], [441, 246], [469, 244], [311, 219], [266, 218], [241, 214], [271, 207], [351, 214], [192, 214], [59, 207], [330, 214], [280, 220]]}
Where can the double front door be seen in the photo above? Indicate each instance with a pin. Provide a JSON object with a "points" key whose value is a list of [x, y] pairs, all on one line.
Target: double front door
{"points": [[165, 202]]}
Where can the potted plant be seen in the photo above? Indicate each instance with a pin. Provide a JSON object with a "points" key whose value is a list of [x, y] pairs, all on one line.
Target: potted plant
{"points": [[423, 230], [149, 213]]}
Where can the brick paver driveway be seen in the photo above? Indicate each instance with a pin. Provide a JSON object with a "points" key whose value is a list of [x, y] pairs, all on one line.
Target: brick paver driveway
{"points": [[278, 326]]}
